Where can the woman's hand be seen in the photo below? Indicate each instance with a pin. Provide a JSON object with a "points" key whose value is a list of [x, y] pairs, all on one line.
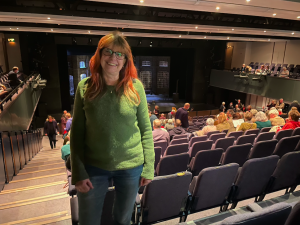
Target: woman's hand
{"points": [[144, 181], [84, 186]]}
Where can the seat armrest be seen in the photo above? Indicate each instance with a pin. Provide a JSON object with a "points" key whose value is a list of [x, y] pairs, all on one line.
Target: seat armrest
{"points": [[254, 207], [192, 185]]}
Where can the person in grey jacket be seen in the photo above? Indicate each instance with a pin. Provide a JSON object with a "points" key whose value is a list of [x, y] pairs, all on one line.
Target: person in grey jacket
{"points": [[177, 130]]}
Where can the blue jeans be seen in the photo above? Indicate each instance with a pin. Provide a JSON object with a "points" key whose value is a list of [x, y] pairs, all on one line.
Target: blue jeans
{"points": [[126, 184]]}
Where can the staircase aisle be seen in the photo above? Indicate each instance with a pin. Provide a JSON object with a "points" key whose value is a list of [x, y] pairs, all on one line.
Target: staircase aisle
{"points": [[37, 194]]}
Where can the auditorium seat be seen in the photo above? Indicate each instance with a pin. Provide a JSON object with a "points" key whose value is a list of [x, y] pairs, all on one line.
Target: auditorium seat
{"points": [[286, 175], [199, 146], [263, 149], [197, 139], [252, 131], [8, 157], [171, 164], [179, 141], [296, 131], [180, 136], [164, 198], [212, 132], [71, 189], [215, 137], [294, 217], [253, 178], [176, 149], [265, 129], [235, 134], [265, 136], [285, 145], [223, 143], [2, 169], [283, 133], [210, 188], [245, 139], [157, 151], [21, 147], [236, 154], [162, 144], [15, 152], [204, 159]]}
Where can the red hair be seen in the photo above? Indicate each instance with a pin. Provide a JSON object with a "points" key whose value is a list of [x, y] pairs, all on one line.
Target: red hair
{"points": [[127, 74]]}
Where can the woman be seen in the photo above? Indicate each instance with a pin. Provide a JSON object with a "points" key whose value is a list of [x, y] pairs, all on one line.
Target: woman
{"points": [[209, 127], [248, 108], [111, 133], [262, 121], [284, 73], [223, 124], [248, 124], [63, 122], [254, 112], [162, 117], [293, 121], [169, 125]]}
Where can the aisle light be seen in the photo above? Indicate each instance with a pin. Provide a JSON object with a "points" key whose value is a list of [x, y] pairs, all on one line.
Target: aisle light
{"points": [[293, 33], [196, 27], [228, 38], [274, 14], [217, 8], [48, 18], [205, 37], [179, 35]]}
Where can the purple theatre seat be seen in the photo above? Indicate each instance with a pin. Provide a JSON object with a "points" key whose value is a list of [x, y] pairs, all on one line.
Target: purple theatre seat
{"points": [[265, 136], [162, 144], [235, 134], [176, 149]]}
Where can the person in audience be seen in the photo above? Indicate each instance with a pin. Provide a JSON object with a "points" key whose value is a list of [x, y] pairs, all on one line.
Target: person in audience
{"points": [[171, 114], [162, 117], [191, 123], [4, 91], [112, 144], [293, 121], [273, 104], [235, 116], [284, 72], [51, 130], [262, 121], [276, 120], [237, 109], [169, 125], [248, 124], [156, 111], [152, 118], [13, 77], [268, 70], [243, 69], [261, 70], [209, 127], [223, 124], [280, 104], [69, 122], [242, 114], [254, 112], [158, 133], [222, 107], [177, 130], [241, 106], [294, 104], [63, 122], [287, 119], [248, 69], [182, 115], [230, 106], [65, 151], [248, 108], [67, 137]]}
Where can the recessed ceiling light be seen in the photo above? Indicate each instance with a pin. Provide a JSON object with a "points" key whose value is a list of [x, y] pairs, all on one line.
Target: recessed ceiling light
{"points": [[89, 32], [150, 45], [179, 35], [232, 29], [51, 29], [227, 37], [48, 18], [217, 8], [248, 0], [298, 17], [196, 27], [268, 39], [17, 28], [265, 31], [274, 14], [141, 1], [10, 28], [204, 37], [293, 33]]}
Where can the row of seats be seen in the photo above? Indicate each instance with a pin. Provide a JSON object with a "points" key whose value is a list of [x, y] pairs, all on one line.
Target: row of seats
{"points": [[17, 148], [275, 67], [4, 81], [181, 194]]}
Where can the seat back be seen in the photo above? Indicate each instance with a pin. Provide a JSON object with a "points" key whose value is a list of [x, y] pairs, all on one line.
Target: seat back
{"points": [[283, 133], [235, 134], [275, 214], [206, 158], [8, 157], [294, 218], [171, 164], [212, 186], [263, 149], [245, 139], [2, 165], [224, 143], [265, 136], [252, 131], [30, 144], [157, 151], [212, 132], [197, 139], [237, 154], [164, 197], [265, 129], [163, 145], [28, 155], [285, 145], [180, 136], [287, 172], [296, 131], [21, 148], [199, 146], [15, 152], [176, 149], [179, 141], [254, 177], [215, 137]]}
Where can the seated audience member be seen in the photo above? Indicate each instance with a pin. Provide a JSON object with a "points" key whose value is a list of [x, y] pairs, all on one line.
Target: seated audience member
{"points": [[230, 106], [284, 72], [248, 124], [248, 69], [191, 123], [209, 127], [156, 111], [158, 133], [276, 120], [280, 104], [262, 121], [267, 71], [222, 107], [280, 112], [248, 108], [13, 77], [69, 122], [243, 69], [237, 109], [169, 125], [177, 130], [223, 124], [242, 115], [4, 91], [171, 114], [293, 121], [162, 117], [294, 104], [254, 112], [235, 117], [240, 105], [67, 137], [267, 114], [152, 118], [273, 104], [65, 151]]}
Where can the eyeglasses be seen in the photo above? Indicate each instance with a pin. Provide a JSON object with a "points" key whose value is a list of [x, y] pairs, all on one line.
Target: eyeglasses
{"points": [[109, 52]]}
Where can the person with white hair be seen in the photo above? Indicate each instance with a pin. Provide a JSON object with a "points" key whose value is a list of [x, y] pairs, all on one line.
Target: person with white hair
{"points": [[209, 127], [222, 107], [262, 121], [158, 133], [276, 121], [284, 72], [169, 125]]}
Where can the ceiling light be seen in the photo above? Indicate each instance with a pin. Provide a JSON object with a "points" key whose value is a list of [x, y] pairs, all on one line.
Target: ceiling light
{"points": [[268, 39], [227, 37], [141, 1], [248, 0], [298, 17], [179, 35], [217, 8], [265, 31], [232, 29], [89, 32], [204, 37], [51, 29], [274, 14], [10, 28], [17, 28], [150, 45], [196, 27], [48, 18], [293, 33]]}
